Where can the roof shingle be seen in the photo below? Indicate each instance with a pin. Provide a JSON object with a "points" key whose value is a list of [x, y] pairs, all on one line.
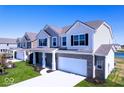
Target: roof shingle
{"points": [[7, 40], [104, 49]]}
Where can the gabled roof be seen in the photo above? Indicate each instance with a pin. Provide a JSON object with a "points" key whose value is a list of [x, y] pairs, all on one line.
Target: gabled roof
{"points": [[7, 40], [64, 29], [91, 24], [18, 39], [95, 24], [103, 49], [31, 35], [52, 30]]}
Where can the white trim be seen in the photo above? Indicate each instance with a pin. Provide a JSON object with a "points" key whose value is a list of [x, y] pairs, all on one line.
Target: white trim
{"points": [[79, 39], [54, 60], [44, 62], [42, 42], [94, 67], [52, 41], [40, 32], [34, 58]]}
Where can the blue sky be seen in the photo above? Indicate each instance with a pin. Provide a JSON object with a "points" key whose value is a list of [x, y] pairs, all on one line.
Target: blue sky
{"points": [[16, 20]]}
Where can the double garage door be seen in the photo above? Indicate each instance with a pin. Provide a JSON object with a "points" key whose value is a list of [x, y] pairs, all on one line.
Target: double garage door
{"points": [[73, 65], [20, 55]]}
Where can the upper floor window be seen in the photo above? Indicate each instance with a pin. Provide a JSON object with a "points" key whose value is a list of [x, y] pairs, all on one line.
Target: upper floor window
{"points": [[79, 40], [19, 44], [43, 42], [76, 40], [63, 41], [28, 44], [54, 41], [7, 44], [24, 44]]}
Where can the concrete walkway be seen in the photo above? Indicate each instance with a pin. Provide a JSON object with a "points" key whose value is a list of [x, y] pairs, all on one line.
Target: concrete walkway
{"points": [[14, 60], [53, 79]]}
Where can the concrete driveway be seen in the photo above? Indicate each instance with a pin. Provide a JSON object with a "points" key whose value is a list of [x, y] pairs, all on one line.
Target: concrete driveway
{"points": [[53, 79]]}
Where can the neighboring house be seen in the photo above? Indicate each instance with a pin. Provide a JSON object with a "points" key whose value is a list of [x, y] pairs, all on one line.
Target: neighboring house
{"points": [[27, 41], [6, 44], [117, 46], [24, 44], [83, 48]]}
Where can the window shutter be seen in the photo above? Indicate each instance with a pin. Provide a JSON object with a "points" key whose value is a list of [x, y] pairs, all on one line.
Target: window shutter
{"points": [[71, 40], [86, 37]]}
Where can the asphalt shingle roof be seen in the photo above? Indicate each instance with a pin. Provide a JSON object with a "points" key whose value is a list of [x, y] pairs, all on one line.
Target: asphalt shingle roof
{"points": [[95, 24], [31, 35], [7, 40], [104, 49]]}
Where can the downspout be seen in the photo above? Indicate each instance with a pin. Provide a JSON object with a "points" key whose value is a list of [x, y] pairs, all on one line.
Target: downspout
{"points": [[94, 66]]}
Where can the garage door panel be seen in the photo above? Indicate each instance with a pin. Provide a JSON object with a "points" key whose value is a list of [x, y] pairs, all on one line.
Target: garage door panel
{"points": [[73, 65], [20, 55]]}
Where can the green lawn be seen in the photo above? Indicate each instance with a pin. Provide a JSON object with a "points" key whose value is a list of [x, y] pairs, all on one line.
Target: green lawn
{"points": [[20, 73], [121, 50], [115, 79]]}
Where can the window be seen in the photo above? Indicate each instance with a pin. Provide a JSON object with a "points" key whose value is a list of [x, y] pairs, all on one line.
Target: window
{"points": [[79, 40], [54, 41], [23, 44], [18, 44], [82, 39], [99, 64], [28, 44], [75, 40], [63, 41], [43, 42], [7, 44]]}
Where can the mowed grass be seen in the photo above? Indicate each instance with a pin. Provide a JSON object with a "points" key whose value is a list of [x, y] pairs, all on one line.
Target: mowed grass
{"points": [[121, 50], [21, 72], [115, 79]]}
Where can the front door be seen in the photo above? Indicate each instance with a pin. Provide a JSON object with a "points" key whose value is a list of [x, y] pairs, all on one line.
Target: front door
{"points": [[48, 60], [39, 58]]}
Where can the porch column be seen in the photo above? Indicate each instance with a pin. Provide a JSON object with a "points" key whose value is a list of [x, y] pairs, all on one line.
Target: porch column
{"points": [[43, 61], [13, 54], [25, 56], [34, 58], [54, 60]]}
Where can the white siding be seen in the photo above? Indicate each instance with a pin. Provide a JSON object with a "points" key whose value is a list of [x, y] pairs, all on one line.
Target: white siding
{"points": [[78, 29], [43, 35], [109, 63], [13, 45], [24, 43], [4, 46], [102, 36]]}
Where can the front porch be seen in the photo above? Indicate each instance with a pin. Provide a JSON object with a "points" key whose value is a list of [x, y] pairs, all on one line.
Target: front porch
{"points": [[45, 57]]}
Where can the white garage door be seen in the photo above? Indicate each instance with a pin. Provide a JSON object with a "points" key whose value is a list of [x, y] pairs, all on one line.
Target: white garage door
{"points": [[73, 65], [20, 55]]}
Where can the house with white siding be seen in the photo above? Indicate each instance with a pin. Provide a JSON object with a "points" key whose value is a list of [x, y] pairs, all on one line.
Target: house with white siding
{"points": [[6, 44], [25, 43], [82, 48]]}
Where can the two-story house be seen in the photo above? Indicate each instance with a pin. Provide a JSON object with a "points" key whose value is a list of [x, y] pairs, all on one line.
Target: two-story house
{"points": [[6, 44], [25, 43], [83, 48]]}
